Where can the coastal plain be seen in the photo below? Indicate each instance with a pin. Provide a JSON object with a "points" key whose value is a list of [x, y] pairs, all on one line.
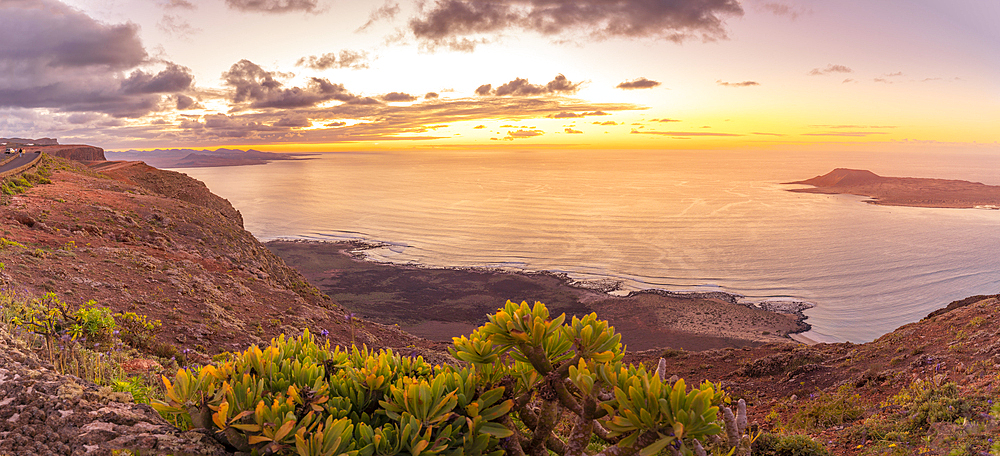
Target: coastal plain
{"points": [[441, 303]]}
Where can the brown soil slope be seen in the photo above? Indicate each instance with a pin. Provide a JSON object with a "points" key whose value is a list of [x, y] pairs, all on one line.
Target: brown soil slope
{"points": [[904, 191], [124, 239]]}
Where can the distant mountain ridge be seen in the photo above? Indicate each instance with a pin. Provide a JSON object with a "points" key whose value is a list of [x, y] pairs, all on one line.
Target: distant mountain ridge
{"points": [[192, 158], [33, 142]]}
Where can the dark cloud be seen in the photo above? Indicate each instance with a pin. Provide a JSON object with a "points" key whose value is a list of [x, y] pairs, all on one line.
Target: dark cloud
{"points": [[522, 88], [572, 131], [260, 89], [737, 84], [664, 120], [354, 60], [336, 124], [384, 12], [830, 69], [273, 6], [59, 58], [174, 78], [479, 127], [398, 97], [293, 121], [49, 33], [431, 96], [484, 89], [606, 123], [641, 83], [451, 22], [682, 133], [186, 102]]}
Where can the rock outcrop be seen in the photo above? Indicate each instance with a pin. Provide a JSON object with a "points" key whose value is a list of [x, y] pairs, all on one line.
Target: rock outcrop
{"points": [[45, 413], [78, 152]]}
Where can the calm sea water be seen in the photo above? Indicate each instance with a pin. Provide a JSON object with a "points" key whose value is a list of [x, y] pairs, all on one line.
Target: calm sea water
{"points": [[651, 219]]}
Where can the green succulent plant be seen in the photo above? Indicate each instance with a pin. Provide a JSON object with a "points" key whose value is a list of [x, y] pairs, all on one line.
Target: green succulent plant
{"points": [[530, 384]]}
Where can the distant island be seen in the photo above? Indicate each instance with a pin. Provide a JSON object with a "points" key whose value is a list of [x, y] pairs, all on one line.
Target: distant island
{"points": [[190, 158], [904, 191]]}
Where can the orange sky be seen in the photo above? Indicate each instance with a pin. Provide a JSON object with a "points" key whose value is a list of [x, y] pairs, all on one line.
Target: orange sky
{"points": [[317, 75]]}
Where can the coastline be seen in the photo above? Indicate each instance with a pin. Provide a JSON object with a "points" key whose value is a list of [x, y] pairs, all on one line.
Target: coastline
{"points": [[439, 303]]}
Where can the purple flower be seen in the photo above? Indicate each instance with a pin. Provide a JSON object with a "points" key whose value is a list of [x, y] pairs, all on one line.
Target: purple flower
{"points": [[116, 332], [324, 333]]}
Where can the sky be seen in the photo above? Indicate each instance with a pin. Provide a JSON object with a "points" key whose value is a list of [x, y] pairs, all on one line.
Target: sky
{"points": [[329, 75]]}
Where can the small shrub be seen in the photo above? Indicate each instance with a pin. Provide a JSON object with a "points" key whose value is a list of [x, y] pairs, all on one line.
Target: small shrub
{"points": [[94, 322], [830, 409], [136, 330], [931, 401], [788, 445], [134, 385]]}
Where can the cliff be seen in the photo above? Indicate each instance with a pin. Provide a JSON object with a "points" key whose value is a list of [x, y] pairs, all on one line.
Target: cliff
{"points": [[78, 152]]}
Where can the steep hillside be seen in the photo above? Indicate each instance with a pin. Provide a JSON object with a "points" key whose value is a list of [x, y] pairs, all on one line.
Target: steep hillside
{"points": [[925, 388], [135, 238]]}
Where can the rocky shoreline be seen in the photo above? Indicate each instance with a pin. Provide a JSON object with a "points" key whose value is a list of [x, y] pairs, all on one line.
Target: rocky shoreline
{"points": [[441, 303]]}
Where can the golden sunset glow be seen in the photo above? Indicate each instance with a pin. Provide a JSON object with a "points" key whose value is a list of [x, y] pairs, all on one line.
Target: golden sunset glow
{"points": [[314, 75]]}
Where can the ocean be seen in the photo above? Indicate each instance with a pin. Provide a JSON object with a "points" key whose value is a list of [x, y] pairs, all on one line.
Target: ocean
{"points": [[674, 220]]}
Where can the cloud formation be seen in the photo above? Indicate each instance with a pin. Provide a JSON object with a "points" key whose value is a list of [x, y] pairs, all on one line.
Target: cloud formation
{"points": [[174, 25], [641, 83], [681, 134], [522, 88], [354, 60], [273, 6], [457, 23], [254, 86], [831, 68], [572, 131], [525, 133], [384, 12], [182, 4], [737, 84], [781, 9], [398, 97], [59, 58]]}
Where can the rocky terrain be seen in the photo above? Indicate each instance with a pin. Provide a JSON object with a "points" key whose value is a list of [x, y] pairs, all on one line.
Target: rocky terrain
{"points": [[441, 303], [43, 413], [155, 242], [134, 238], [904, 191]]}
